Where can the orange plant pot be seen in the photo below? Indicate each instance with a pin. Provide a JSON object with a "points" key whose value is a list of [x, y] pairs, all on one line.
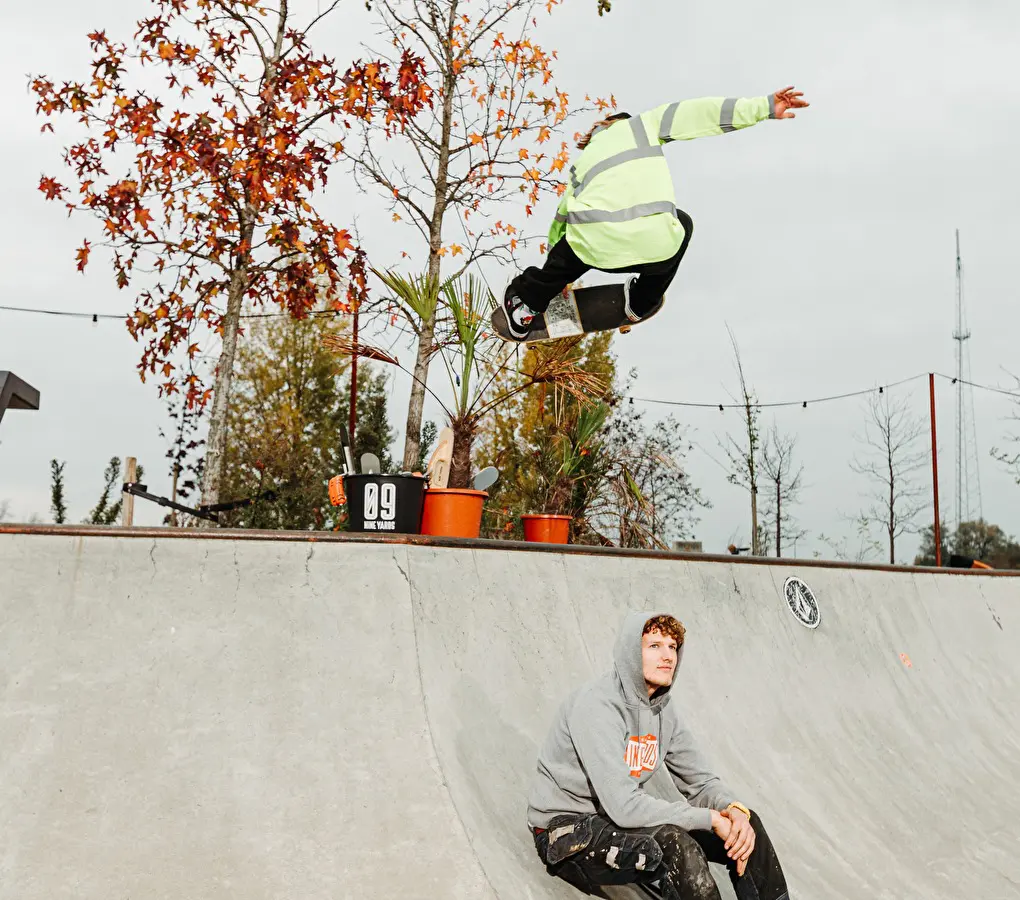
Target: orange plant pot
{"points": [[453, 512], [546, 529]]}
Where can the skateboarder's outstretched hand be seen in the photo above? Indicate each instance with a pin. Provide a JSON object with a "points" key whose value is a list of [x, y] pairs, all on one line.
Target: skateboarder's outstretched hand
{"points": [[788, 99]]}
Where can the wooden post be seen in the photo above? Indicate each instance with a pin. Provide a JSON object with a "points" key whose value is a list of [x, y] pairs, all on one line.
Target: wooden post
{"points": [[127, 509], [173, 495], [935, 472]]}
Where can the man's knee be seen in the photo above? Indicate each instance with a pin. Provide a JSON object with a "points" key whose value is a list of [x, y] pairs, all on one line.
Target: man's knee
{"points": [[678, 844], [685, 863]]}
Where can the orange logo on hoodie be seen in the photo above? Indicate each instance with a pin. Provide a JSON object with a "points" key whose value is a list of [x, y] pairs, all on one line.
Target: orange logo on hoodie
{"points": [[642, 754]]}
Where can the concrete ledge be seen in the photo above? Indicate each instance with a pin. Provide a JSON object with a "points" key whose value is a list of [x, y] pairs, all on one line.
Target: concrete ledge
{"points": [[326, 537]]}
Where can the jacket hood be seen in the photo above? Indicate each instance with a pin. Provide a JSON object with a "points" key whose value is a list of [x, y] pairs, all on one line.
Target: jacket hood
{"points": [[627, 662]]}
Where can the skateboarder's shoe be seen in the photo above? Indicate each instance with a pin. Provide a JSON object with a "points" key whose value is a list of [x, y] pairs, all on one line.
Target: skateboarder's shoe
{"points": [[636, 315], [572, 312], [519, 318]]}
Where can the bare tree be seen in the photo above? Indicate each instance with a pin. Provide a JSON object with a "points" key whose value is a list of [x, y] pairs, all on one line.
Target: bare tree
{"points": [[5, 510], [743, 451], [484, 151], [891, 458], [784, 477], [1011, 459], [867, 547], [652, 498]]}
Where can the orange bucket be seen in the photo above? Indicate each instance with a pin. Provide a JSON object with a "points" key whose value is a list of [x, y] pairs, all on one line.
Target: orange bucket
{"points": [[453, 512], [547, 529]]}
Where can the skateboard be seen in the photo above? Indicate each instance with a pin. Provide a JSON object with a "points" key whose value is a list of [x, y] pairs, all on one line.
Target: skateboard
{"points": [[574, 311]]}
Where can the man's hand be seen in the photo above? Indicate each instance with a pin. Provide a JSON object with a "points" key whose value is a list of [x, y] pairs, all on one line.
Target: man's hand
{"points": [[721, 825], [788, 99], [740, 841]]}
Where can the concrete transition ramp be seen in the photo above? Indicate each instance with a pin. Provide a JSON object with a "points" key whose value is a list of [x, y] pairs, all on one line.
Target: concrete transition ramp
{"points": [[263, 717]]}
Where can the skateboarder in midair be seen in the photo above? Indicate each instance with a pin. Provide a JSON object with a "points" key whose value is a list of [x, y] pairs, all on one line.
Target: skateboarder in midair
{"points": [[593, 822], [618, 212]]}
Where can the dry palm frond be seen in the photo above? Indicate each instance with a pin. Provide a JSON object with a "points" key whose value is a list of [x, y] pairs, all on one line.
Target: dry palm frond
{"points": [[564, 348], [342, 344], [556, 363], [585, 387], [550, 363]]}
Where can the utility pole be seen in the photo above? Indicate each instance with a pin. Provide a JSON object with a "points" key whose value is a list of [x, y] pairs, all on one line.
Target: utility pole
{"points": [[937, 530], [754, 518], [966, 426], [959, 335]]}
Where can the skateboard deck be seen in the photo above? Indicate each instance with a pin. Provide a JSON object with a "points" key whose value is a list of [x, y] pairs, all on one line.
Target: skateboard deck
{"points": [[576, 311]]}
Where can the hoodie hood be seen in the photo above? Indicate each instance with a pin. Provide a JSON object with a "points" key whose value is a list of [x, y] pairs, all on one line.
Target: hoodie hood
{"points": [[628, 664]]}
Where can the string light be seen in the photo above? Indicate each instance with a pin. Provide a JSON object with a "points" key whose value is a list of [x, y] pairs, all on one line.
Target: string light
{"points": [[690, 404], [980, 387], [774, 405], [95, 317]]}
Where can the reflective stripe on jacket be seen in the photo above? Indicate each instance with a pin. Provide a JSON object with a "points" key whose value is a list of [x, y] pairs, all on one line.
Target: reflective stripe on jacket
{"points": [[619, 206]]}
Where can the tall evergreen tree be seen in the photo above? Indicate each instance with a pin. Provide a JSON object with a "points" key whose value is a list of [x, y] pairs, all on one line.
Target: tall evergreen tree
{"points": [[291, 399]]}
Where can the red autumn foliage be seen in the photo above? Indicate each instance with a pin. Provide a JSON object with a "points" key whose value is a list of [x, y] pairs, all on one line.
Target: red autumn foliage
{"points": [[205, 141], [218, 185]]}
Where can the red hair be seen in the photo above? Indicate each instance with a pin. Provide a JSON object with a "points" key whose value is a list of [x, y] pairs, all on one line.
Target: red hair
{"points": [[666, 626]]}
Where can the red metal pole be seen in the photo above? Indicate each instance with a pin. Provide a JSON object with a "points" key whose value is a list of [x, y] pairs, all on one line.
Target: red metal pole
{"points": [[935, 472], [353, 417]]}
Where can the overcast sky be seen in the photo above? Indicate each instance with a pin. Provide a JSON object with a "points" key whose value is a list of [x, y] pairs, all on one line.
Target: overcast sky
{"points": [[825, 243]]}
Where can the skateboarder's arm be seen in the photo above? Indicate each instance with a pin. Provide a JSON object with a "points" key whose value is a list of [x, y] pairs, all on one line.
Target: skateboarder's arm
{"points": [[690, 773], [596, 732], [707, 116]]}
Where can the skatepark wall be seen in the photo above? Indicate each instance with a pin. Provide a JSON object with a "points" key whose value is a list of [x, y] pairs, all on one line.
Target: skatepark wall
{"points": [[265, 716]]}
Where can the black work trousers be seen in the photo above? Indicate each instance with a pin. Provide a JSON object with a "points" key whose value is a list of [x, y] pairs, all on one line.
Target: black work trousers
{"points": [[537, 285], [596, 853]]}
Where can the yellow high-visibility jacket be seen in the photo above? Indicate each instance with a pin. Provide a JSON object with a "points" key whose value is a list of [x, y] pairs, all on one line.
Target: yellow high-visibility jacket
{"points": [[619, 207]]}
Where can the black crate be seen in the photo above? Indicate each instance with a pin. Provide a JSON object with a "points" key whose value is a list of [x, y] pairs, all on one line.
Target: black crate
{"points": [[384, 504]]}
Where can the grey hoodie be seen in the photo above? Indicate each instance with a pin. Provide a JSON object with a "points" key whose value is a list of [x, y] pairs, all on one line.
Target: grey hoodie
{"points": [[608, 739]]}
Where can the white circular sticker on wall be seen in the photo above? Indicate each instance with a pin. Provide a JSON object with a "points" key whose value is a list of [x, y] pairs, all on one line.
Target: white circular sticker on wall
{"points": [[802, 602]]}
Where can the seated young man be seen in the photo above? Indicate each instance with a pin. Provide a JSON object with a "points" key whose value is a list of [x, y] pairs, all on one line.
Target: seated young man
{"points": [[593, 822]]}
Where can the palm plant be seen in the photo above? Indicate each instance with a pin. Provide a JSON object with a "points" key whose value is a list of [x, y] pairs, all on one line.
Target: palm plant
{"points": [[578, 442], [472, 357]]}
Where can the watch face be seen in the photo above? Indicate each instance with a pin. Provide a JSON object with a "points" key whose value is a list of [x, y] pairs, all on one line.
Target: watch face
{"points": [[802, 602]]}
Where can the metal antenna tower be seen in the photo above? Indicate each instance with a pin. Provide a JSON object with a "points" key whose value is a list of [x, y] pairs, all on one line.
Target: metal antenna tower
{"points": [[968, 471]]}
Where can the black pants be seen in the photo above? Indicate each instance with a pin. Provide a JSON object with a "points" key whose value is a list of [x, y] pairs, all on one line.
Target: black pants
{"points": [[537, 286], [589, 852]]}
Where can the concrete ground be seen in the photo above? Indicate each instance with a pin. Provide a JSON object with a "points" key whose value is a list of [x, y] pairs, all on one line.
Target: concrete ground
{"points": [[244, 716]]}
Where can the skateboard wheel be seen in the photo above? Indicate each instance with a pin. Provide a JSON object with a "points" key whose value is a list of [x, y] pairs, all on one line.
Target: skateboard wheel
{"points": [[625, 329]]}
